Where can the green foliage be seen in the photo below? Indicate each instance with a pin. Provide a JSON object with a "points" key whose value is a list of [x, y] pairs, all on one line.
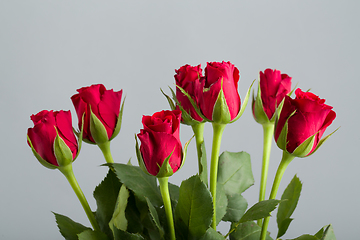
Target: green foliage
{"points": [[92, 235], [289, 199], [260, 210], [140, 183], [194, 209], [325, 233], [221, 203], [247, 231], [68, 228], [235, 172], [106, 194], [236, 208], [212, 234], [118, 219]]}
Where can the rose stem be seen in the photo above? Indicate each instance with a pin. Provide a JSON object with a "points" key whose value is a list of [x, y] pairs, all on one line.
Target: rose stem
{"points": [[199, 137], [69, 174], [164, 189], [268, 134], [105, 148], [286, 159], [218, 130]]}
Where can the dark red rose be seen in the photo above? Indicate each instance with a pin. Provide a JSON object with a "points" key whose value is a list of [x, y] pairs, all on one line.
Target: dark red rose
{"points": [[104, 104], [188, 78], [273, 88], [47, 126], [160, 138], [307, 115], [221, 77]]}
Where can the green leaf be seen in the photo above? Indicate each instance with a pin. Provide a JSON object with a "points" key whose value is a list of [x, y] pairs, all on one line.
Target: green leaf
{"points": [[139, 182], [329, 233], [194, 208], [174, 192], [288, 204], [155, 218], [118, 219], [305, 237], [325, 233], [212, 234], [221, 203], [247, 231], [203, 164], [92, 235], [106, 194], [122, 235], [235, 172], [68, 228], [236, 208], [260, 210]]}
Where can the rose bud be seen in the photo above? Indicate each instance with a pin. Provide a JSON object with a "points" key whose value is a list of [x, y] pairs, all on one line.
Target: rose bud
{"points": [[220, 101], [160, 153], [272, 89], [302, 122], [100, 109], [187, 79], [52, 139]]}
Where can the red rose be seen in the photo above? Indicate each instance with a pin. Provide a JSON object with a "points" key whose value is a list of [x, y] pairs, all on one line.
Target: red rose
{"points": [[100, 106], [273, 88], [188, 78], [42, 138], [307, 117], [160, 138], [220, 79]]}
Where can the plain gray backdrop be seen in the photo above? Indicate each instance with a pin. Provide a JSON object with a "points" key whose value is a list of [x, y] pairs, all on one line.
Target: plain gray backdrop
{"points": [[48, 49]]}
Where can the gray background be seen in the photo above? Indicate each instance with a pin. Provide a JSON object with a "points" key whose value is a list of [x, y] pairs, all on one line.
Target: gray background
{"points": [[48, 49]]}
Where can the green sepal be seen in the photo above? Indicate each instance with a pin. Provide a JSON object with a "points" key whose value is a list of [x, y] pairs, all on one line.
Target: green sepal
{"points": [[186, 117], [243, 105], [322, 141], [62, 152], [221, 113], [97, 129], [197, 109], [118, 122], [170, 101], [139, 157], [305, 147], [185, 152], [282, 139], [80, 136], [258, 108], [165, 169], [39, 158]]}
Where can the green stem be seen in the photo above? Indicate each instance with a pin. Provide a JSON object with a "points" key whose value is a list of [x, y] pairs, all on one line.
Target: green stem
{"points": [[218, 130], [105, 148], [199, 137], [164, 189], [286, 159], [69, 174], [268, 134]]}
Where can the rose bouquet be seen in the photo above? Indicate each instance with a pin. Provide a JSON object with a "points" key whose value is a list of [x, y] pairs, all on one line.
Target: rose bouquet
{"points": [[138, 202]]}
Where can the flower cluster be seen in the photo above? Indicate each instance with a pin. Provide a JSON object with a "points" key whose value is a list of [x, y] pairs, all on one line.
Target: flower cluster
{"points": [[130, 203]]}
